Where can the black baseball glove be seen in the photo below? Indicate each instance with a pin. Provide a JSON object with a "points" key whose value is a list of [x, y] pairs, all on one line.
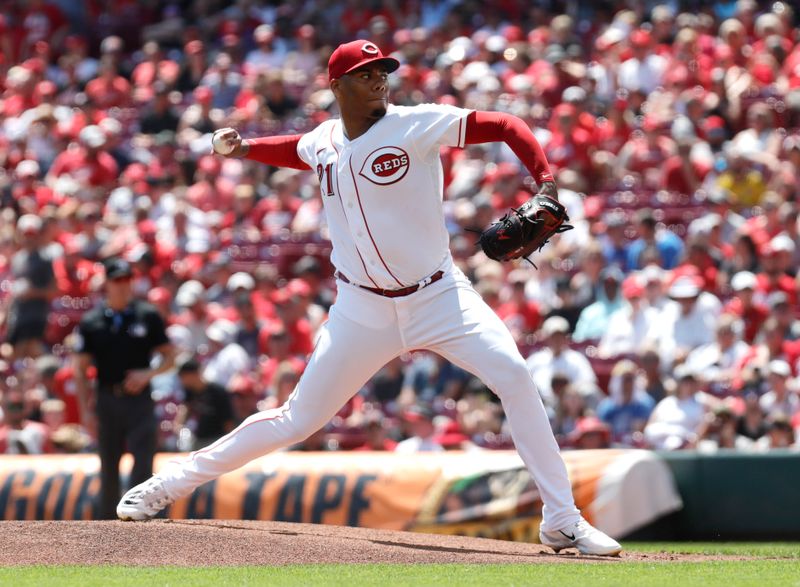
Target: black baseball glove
{"points": [[525, 229]]}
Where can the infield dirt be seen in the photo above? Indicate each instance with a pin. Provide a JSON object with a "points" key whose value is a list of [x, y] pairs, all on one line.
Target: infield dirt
{"points": [[238, 542]]}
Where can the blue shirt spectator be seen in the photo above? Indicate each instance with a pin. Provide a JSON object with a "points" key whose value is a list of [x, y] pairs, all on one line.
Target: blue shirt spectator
{"points": [[628, 406], [662, 246], [594, 319]]}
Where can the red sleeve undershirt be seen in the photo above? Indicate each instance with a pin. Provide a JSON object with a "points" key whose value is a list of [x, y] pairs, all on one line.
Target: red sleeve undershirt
{"points": [[482, 127], [280, 151], [490, 127]]}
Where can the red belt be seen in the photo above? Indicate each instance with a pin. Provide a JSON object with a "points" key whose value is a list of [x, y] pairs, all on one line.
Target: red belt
{"points": [[397, 293]]}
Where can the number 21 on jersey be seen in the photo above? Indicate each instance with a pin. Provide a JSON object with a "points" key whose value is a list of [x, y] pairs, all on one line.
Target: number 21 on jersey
{"points": [[325, 175]]}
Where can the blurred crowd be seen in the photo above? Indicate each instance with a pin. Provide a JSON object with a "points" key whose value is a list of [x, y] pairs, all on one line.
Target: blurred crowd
{"points": [[666, 319]]}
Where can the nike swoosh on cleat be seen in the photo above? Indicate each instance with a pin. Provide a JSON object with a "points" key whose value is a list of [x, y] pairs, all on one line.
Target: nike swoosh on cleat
{"points": [[567, 535]]}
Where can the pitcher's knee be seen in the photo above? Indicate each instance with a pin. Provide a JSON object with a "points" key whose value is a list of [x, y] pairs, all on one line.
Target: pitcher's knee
{"points": [[298, 429], [285, 427], [512, 379]]}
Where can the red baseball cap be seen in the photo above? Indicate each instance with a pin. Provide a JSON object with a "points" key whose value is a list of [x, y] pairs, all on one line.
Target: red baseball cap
{"points": [[159, 295], [350, 56], [640, 38], [632, 287]]}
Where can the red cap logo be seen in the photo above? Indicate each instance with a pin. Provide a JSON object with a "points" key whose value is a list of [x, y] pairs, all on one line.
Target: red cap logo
{"points": [[370, 49], [350, 56]]}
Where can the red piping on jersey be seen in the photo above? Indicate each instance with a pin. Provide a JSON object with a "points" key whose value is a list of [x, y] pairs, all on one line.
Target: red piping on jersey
{"points": [[489, 127], [339, 194], [369, 232], [280, 151], [460, 125]]}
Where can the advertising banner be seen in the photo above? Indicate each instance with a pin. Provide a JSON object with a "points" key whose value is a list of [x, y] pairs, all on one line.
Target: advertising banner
{"points": [[488, 494]]}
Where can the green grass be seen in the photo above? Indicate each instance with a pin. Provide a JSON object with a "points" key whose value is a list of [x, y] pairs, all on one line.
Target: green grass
{"points": [[710, 574], [783, 569]]}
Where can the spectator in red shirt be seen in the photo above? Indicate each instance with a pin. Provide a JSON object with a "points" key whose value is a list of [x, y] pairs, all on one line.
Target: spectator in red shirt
{"points": [[687, 63], [645, 154], [74, 273], [569, 144], [735, 41], [151, 69], [745, 306], [521, 315], [87, 162], [763, 227], [267, 278], [109, 89], [554, 74], [772, 346], [768, 30], [64, 388], [18, 98], [309, 270], [698, 261], [377, 434], [41, 21], [504, 183], [577, 97], [683, 173], [29, 193], [612, 129], [210, 191], [773, 276], [161, 298], [290, 309], [275, 345]]}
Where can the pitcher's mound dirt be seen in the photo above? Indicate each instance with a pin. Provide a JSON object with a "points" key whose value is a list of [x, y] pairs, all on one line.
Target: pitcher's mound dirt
{"points": [[236, 542]]}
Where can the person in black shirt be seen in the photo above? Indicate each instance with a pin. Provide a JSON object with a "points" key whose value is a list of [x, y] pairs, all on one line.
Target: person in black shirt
{"points": [[207, 412], [34, 288], [119, 336], [160, 115]]}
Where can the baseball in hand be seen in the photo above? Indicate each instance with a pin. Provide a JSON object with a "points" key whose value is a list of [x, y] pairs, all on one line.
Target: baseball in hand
{"points": [[222, 143]]}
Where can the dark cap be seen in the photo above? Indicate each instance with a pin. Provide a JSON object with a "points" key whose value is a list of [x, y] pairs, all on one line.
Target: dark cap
{"points": [[306, 264], [189, 365], [612, 273], [117, 267], [777, 298], [350, 56]]}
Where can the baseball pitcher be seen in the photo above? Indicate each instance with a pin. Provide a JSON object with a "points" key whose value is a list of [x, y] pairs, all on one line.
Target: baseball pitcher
{"points": [[381, 183]]}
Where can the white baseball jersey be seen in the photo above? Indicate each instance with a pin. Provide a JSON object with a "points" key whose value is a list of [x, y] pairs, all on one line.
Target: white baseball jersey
{"points": [[378, 186]]}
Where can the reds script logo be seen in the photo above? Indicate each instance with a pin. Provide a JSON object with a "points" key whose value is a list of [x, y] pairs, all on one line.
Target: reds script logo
{"points": [[385, 166]]}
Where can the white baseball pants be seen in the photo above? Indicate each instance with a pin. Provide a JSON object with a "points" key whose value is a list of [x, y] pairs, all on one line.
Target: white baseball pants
{"points": [[364, 332]]}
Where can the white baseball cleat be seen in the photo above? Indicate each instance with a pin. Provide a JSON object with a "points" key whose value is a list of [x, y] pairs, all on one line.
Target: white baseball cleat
{"points": [[143, 501], [583, 536]]}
